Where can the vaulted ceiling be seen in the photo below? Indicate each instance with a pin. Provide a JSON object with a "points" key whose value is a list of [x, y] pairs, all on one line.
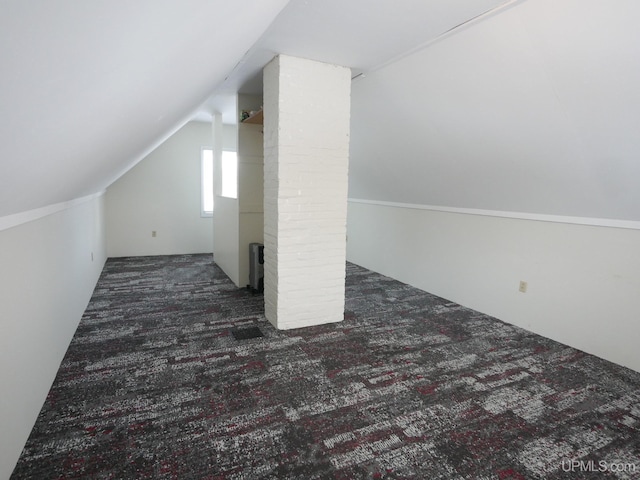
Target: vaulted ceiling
{"points": [[456, 94], [88, 88], [534, 110]]}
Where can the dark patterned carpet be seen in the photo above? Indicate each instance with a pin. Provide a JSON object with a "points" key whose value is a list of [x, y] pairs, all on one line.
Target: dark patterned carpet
{"points": [[156, 385]]}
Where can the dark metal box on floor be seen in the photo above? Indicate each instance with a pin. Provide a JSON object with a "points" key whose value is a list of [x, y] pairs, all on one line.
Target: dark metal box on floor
{"points": [[256, 267]]}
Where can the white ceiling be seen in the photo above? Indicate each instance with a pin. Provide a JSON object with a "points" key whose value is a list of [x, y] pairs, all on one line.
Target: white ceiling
{"points": [[360, 34], [534, 110], [89, 88], [542, 93]]}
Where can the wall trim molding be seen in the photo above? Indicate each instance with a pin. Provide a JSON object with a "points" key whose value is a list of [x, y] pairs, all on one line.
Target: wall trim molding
{"points": [[10, 221], [539, 217]]}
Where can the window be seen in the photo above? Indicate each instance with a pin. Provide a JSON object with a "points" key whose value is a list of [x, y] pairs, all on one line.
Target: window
{"points": [[206, 208], [229, 174], [229, 178]]}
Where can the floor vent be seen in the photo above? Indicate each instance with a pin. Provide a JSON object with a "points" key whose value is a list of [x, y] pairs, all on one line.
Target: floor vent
{"points": [[246, 333]]}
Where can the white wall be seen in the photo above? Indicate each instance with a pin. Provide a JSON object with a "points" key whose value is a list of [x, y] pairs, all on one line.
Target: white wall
{"points": [[239, 221], [226, 210], [250, 194], [161, 193], [226, 236], [225, 217], [583, 281], [531, 113], [532, 110], [49, 268]]}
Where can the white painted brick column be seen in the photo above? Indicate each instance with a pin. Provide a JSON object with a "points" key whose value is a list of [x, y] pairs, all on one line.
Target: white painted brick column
{"points": [[306, 158]]}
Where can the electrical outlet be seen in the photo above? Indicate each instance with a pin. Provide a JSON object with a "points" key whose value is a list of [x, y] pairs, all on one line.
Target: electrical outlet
{"points": [[153, 233], [523, 287]]}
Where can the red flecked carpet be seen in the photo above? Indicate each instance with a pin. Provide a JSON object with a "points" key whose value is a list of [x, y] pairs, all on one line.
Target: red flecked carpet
{"points": [[156, 385]]}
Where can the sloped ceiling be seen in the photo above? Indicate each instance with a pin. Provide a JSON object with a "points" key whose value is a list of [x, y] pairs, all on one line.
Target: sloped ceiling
{"points": [[360, 34], [89, 87], [533, 106], [534, 110]]}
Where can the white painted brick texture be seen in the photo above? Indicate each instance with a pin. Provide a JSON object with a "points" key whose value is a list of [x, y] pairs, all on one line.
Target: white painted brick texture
{"points": [[306, 146]]}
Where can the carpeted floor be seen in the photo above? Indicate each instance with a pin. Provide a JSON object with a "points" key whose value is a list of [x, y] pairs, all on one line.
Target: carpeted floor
{"points": [[156, 385]]}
